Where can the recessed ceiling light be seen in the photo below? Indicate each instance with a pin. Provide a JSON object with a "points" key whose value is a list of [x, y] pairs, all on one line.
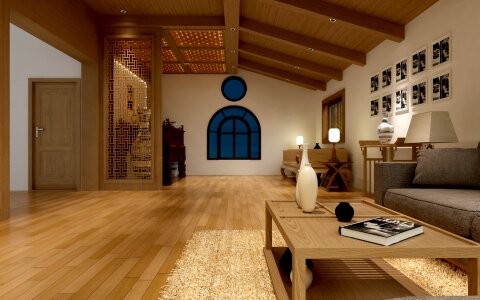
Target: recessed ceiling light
{"points": [[296, 67], [287, 79], [310, 49], [123, 11], [232, 29], [333, 20]]}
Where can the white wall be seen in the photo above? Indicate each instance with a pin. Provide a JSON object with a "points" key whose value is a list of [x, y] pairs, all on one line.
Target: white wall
{"points": [[460, 19], [29, 58], [283, 110]]}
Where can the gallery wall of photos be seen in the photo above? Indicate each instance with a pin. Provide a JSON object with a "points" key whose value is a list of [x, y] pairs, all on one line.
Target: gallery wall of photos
{"points": [[422, 78]]}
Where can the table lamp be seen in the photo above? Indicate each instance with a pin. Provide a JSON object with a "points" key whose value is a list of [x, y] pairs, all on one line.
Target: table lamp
{"points": [[299, 141], [334, 137], [431, 127]]}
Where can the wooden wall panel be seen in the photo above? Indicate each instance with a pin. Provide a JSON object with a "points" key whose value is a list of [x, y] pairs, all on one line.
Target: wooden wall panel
{"points": [[4, 110], [91, 110], [69, 26]]}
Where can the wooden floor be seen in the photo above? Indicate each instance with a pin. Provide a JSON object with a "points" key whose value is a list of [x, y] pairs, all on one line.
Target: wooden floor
{"points": [[111, 245]]}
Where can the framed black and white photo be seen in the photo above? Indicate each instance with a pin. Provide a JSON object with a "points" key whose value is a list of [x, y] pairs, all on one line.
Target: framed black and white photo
{"points": [[401, 100], [374, 107], [419, 94], [387, 104], [374, 80], [441, 51], [401, 70], [442, 87], [419, 61], [386, 77]]}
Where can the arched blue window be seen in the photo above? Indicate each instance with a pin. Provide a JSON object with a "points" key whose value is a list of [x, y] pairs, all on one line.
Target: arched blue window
{"points": [[233, 133]]}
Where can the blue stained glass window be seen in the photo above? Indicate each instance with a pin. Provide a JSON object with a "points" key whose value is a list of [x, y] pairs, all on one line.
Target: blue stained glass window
{"points": [[233, 133], [234, 88]]}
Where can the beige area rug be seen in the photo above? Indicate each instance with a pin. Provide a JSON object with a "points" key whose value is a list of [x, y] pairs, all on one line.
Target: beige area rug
{"points": [[229, 264]]}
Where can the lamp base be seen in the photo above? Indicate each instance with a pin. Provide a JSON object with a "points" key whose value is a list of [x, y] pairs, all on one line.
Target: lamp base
{"points": [[334, 158]]}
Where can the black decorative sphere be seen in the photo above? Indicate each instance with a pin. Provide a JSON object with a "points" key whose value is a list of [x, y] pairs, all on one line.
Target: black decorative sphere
{"points": [[344, 212]]}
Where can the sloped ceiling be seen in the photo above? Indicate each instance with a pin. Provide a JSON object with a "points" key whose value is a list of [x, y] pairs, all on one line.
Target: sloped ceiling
{"points": [[304, 42]]}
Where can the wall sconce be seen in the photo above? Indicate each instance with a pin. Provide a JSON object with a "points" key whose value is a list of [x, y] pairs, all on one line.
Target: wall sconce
{"points": [[299, 141], [334, 137]]}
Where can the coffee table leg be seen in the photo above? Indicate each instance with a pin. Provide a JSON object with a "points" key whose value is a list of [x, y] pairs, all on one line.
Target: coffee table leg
{"points": [[268, 229], [298, 268], [473, 276]]}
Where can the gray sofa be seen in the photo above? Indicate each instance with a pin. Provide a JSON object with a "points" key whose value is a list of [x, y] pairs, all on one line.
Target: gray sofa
{"points": [[442, 188]]}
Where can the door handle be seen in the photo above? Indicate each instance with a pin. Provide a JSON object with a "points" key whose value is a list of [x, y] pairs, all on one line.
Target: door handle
{"points": [[37, 130]]}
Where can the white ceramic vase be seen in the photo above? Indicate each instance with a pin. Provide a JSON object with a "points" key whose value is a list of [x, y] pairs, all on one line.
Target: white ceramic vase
{"points": [[308, 277], [385, 131], [303, 160], [307, 182]]}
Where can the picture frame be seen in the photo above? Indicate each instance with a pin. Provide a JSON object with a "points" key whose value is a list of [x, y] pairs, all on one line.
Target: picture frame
{"points": [[441, 86], [386, 77], [441, 51], [374, 83], [387, 104], [418, 94], [374, 108], [418, 61], [401, 73], [401, 100]]}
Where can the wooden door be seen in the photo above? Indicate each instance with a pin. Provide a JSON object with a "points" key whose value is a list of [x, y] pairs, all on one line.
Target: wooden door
{"points": [[55, 134]]}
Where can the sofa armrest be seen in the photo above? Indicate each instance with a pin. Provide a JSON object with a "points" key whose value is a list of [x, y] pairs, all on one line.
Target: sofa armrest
{"points": [[391, 175]]}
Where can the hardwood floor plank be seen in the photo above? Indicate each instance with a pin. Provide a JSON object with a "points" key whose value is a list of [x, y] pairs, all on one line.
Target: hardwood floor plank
{"points": [[122, 244]]}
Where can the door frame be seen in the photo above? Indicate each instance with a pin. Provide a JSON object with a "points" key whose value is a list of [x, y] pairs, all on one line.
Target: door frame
{"points": [[77, 126]]}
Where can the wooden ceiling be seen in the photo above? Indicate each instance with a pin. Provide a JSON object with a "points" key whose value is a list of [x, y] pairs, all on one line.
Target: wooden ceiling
{"points": [[304, 42]]}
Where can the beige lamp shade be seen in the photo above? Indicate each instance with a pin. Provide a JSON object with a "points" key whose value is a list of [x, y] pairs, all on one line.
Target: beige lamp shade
{"points": [[334, 135], [299, 140], [431, 127]]}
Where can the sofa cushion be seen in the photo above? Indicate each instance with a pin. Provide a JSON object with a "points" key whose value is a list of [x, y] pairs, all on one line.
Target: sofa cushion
{"points": [[451, 167], [476, 228], [450, 209]]}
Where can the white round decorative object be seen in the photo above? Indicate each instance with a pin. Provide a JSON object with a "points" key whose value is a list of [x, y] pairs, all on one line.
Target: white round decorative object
{"points": [[385, 131], [307, 181], [308, 277], [302, 165]]}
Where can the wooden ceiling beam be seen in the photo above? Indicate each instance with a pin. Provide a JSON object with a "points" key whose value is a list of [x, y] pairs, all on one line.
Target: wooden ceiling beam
{"points": [[376, 26], [167, 22], [178, 54], [282, 74], [331, 50], [272, 55], [231, 10]]}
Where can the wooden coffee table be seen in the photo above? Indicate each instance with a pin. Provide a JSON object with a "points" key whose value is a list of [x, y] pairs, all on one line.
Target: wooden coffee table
{"points": [[346, 268]]}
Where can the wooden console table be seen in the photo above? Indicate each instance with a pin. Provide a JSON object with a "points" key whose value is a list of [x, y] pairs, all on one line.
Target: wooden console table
{"points": [[387, 154], [173, 151]]}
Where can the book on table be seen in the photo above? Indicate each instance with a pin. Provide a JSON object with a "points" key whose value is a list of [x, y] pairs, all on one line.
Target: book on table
{"points": [[382, 231]]}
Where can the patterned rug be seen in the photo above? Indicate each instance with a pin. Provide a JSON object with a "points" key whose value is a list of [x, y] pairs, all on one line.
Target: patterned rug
{"points": [[229, 264]]}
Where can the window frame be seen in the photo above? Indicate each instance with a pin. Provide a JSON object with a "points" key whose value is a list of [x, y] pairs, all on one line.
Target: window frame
{"points": [[249, 133]]}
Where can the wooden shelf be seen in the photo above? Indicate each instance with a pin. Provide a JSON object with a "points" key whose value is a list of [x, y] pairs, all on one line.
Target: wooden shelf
{"points": [[344, 279]]}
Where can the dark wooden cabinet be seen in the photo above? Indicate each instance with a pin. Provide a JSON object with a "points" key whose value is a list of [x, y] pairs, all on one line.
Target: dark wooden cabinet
{"points": [[173, 151]]}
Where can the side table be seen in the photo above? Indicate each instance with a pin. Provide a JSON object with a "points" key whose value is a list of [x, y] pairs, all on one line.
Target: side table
{"points": [[338, 176]]}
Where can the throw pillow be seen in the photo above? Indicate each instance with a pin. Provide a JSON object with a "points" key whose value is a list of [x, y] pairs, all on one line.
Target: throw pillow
{"points": [[454, 167]]}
